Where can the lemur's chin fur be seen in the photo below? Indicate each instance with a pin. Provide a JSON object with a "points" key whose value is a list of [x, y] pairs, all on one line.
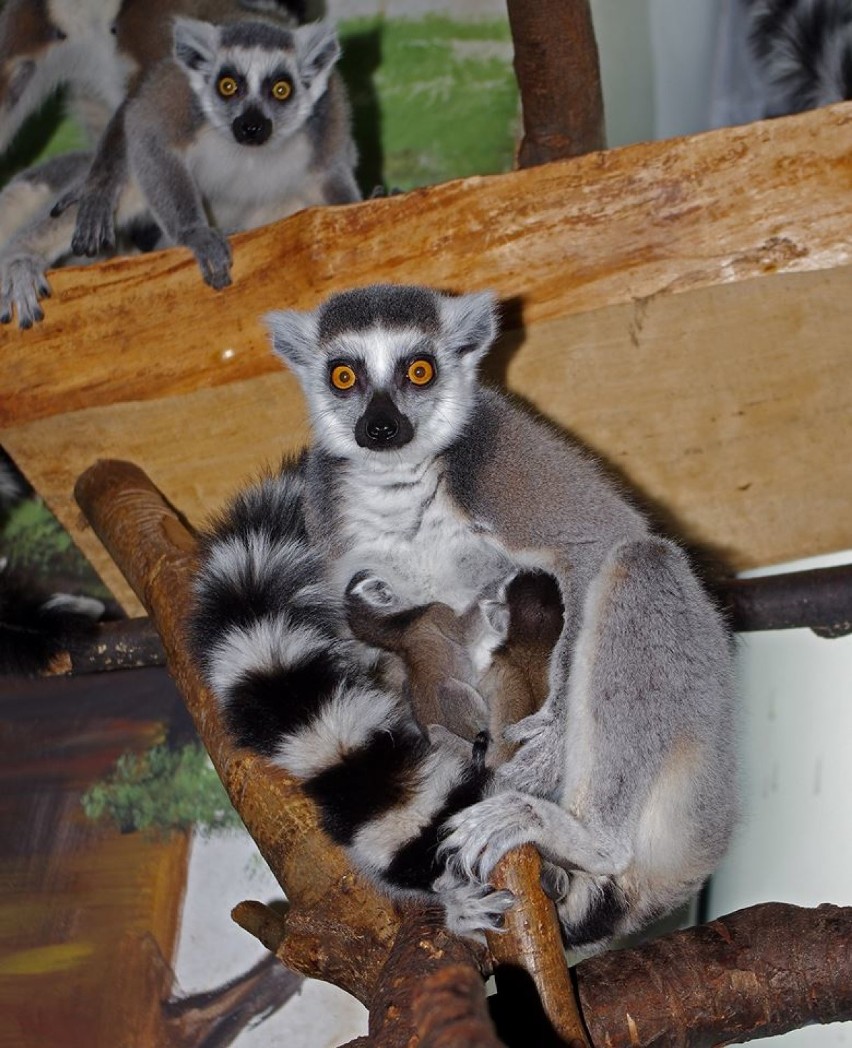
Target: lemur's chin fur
{"points": [[421, 486]]}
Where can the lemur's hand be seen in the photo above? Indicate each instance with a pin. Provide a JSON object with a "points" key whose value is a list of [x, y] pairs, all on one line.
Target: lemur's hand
{"points": [[213, 252], [95, 229], [22, 284]]}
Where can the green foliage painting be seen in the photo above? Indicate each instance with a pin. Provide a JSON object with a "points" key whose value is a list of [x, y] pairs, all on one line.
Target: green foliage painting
{"points": [[162, 789], [432, 98]]}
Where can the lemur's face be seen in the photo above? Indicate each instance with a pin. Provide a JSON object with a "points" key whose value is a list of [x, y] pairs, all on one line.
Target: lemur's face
{"points": [[257, 83], [388, 372]]}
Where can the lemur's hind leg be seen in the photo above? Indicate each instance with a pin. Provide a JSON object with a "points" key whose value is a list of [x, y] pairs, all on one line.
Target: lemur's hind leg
{"points": [[647, 793]]}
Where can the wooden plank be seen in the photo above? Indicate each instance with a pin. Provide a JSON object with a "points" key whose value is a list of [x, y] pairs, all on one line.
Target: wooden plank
{"points": [[554, 240], [727, 406]]}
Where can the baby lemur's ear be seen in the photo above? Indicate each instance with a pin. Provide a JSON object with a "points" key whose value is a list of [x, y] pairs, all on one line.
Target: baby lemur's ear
{"points": [[469, 322], [317, 50], [195, 42], [294, 338]]}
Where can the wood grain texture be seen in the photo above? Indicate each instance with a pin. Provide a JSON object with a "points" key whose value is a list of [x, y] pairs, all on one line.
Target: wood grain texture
{"points": [[558, 239]]}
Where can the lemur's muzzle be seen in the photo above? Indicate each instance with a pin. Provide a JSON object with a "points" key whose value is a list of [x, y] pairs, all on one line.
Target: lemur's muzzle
{"points": [[383, 427], [252, 127]]}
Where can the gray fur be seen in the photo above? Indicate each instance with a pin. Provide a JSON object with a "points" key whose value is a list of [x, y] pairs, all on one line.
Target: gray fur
{"points": [[626, 777]]}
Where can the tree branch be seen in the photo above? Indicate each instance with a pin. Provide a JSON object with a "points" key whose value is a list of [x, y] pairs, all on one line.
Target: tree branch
{"points": [[556, 65], [755, 973]]}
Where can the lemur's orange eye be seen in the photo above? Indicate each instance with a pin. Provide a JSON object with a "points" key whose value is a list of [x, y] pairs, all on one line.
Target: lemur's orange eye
{"points": [[227, 86], [420, 372], [343, 376], [281, 90]]}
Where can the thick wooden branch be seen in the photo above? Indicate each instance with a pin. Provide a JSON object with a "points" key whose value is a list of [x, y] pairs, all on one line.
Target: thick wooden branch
{"points": [[558, 72], [755, 973]]}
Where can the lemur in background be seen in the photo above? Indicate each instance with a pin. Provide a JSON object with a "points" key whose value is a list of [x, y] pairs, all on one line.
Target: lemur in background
{"points": [[246, 123], [36, 626], [96, 49], [804, 50], [423, 483]]}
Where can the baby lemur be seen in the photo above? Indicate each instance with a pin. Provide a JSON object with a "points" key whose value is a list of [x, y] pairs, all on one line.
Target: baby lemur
{"points": [[473, 674], [423, 482], [246, 123]]}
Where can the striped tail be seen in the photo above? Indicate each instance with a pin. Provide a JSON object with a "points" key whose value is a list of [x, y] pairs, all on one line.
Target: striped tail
{"points": [[273, 645], [805, 50]]}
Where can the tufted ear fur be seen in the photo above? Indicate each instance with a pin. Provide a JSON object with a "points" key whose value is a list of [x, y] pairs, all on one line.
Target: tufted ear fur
{"points": [[317, 50], [469, 323], [294, 338], [195, 42]]}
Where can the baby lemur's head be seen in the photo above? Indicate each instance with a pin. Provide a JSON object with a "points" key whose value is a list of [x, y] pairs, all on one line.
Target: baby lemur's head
{"points": [[388, 371], [254, 80]]}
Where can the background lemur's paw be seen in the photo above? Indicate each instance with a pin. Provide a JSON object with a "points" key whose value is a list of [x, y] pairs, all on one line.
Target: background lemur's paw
{"points": [[213, 253], [95, 229], [472, 908], [369, 589], [22, 284], [479, 836]]}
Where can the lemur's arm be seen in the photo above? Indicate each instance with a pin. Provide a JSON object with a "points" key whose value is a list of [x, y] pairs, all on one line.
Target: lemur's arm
{"points": [[156, 138], [97, 196], [32, 240]]}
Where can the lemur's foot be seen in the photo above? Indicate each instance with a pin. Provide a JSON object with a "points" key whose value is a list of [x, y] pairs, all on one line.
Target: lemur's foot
{"points": [[22, 285], [213, 253], [472, 908], [369, 589], [95, 229]]}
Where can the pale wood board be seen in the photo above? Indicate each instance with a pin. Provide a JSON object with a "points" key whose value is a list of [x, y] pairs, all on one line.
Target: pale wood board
{"points": [[559, 239], [729, 406]]}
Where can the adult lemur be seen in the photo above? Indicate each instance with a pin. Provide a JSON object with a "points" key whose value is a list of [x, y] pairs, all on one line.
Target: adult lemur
{"points": [[422, 484], [246, 124]]}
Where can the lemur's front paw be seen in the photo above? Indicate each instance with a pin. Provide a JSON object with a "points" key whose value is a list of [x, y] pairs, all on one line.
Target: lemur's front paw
{"points": [[369, 589], [22, 284], [479, 836], [472, 908], [95, 229], [535, 766], [213, 253]]}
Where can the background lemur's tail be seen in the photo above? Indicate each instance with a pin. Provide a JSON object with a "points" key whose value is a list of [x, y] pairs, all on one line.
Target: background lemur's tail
{"points": [[273, 645], [805, 50]]}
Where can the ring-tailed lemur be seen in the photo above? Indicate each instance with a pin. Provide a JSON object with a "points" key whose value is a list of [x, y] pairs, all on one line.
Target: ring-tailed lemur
{"points": [[247, 123], [424, 482], [96, 49], [804, 50]]}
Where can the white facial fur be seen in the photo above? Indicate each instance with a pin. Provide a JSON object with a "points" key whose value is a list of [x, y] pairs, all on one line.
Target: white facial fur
{"points": [[379, 355]]}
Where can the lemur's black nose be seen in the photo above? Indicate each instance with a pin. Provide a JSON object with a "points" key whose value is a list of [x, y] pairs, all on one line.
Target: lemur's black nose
{"points": [[251, 127], [383, 427]]}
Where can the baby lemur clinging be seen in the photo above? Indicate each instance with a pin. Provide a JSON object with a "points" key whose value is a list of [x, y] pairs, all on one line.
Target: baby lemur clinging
{"points": [[474, 673], [245, 124]]}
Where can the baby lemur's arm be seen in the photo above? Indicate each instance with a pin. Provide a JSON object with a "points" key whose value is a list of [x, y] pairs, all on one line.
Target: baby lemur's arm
{"points": [[445, 681]]}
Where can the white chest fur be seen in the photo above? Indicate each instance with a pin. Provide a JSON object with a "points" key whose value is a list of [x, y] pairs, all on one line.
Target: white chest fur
{"points": [[247, 186], [409, 532]]}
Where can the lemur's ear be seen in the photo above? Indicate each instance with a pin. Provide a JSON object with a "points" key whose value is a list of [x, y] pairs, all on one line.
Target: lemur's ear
{"points": [[317, 50], [469, 323], [195, 42], [294, 338]]}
